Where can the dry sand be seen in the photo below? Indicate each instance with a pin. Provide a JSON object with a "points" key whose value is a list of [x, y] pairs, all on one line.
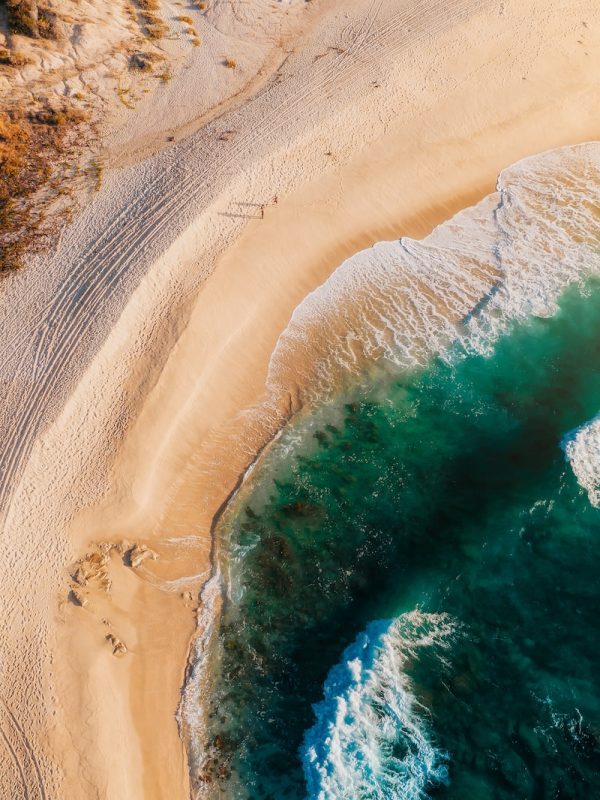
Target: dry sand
{"points": [[135, 358]]}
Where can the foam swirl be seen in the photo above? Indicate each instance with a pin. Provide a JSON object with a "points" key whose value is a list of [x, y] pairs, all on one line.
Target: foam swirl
{"points": [[370, 739], [582, 448], [508, 257]]}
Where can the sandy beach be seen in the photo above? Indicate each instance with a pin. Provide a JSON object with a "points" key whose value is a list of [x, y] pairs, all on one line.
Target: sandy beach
{"points": [[135, 358]]}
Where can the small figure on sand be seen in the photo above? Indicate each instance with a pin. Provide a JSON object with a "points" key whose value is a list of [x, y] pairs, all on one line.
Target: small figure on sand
{"points": [[262, 206]]}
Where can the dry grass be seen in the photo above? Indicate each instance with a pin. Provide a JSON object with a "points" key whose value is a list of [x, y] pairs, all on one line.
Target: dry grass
{"points": [[27, 18], [47, 27], [97, 173], [43, 142], [144, 61], [186, 19], [32, 148], [14, 58], [61, 117], [23, 17], [124, 97], [154, 27], [230, 63], [166, 74], [155, 30], [144, 12], [131, 12]]}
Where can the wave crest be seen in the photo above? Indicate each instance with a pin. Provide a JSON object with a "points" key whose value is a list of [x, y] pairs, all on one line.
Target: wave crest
{"points": [[370, 739], [582, 448]]}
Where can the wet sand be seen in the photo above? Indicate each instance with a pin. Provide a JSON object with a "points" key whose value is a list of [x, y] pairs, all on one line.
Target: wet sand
{"points": [[171, 407]]}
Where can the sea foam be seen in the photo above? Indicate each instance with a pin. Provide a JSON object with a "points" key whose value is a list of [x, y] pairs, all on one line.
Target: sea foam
{"points": [[506, 258], [582, 448], [370, 739], [190, 713]]}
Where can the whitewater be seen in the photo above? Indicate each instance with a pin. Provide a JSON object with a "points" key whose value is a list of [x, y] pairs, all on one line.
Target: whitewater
{"points": [[504, 259], [397, 306], [369, 710]]}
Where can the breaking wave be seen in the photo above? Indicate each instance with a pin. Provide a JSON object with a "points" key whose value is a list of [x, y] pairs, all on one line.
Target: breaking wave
{"points": [[508, 257], [370, 739], [582, 448]]}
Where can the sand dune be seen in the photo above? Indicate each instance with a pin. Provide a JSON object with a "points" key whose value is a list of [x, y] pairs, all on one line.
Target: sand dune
{"points": [[134, 358]]}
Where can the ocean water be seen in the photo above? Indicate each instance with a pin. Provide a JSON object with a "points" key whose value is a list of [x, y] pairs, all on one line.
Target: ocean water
{"points": [[414, 585], [410, 573], [506, 258]]}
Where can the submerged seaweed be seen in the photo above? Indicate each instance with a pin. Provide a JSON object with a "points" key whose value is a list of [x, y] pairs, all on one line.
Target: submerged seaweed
{"points": [[441, 492]]}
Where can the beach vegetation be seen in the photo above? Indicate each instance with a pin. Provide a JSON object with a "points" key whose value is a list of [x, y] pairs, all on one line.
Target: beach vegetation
{"points": [[166, 74], [60, 116], [47, 25], [23, 17], [154, 26], [34, 146], [123, 95], [186, 19], [14, 58], [26, 18], [131, 12], [144, 61], [97, 172], [230, 63]]}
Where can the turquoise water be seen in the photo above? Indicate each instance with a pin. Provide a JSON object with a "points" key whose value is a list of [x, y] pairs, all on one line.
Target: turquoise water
{"points": [[414, 586]]}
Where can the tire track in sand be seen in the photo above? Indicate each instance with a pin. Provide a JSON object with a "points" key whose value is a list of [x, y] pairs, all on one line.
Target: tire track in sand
{"points": [[76, 302], [20, 750], [96, 276]]}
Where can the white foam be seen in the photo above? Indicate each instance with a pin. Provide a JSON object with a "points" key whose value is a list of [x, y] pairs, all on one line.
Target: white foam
{"points": [[582, 448], [370, 739], [506, 258], [191, 714]]}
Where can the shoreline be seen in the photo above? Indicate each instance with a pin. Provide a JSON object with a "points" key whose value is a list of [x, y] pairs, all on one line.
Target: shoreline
{"points": [[199, 657], [179, 382], [197, 489]]}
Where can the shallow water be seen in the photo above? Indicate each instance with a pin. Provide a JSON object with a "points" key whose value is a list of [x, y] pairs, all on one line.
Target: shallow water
{"points": [[413, 585]]}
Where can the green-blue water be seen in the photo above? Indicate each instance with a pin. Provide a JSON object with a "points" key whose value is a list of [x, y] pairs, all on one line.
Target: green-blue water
{"points": [[445, 491]]}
